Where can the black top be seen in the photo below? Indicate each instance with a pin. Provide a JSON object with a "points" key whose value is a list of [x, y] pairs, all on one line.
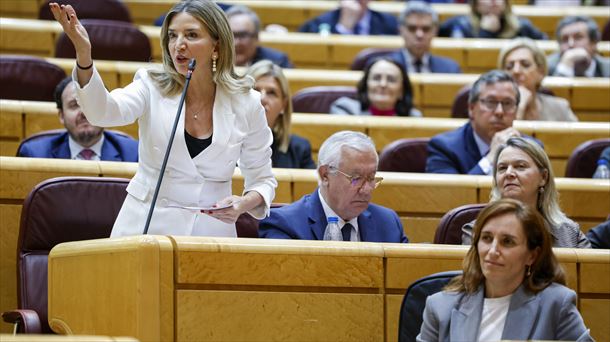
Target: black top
{"points": [[195, 145]]}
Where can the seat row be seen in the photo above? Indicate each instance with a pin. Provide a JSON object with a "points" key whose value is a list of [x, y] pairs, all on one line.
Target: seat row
{"points": [[306, 50], [292, 14], [21, 119]]}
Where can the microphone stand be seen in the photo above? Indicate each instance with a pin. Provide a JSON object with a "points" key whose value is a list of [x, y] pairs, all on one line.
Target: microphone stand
{"points": [[169, 145]]}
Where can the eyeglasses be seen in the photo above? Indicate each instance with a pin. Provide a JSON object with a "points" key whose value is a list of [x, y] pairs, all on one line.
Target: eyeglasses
{"points": [[243, 35], [358, 182], [507, 106]]}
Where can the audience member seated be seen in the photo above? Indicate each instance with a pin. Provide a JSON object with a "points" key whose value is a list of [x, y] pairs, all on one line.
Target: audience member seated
{"points": [[599, 236], [383, 90], [82, 140], [512, 286], [523, 172], [418, 25], [347, 164], [526, 63], [577, 37], [352, 17], [489, 19], [246, 26], [492, 108], [289, 150]]}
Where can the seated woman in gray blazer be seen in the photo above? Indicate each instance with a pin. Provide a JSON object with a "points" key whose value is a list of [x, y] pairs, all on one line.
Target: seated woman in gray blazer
{"points": [[383, 90], [512, 286]]}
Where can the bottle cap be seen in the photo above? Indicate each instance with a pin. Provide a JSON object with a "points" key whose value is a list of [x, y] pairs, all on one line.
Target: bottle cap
{"points": [[602, 161], [333, 219]]}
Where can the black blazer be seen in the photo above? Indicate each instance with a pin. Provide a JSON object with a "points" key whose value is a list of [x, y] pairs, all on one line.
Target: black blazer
{"points": [[298, 155]]}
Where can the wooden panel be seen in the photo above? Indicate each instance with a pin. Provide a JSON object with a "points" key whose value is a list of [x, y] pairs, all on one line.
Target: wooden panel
{"points": [[251, 316], [11, 120], [595, 278], [594, 193], [9, 230], [597, 317], [420, 229], [63, 338], [392, 314], [138, 275], [358, 265]]}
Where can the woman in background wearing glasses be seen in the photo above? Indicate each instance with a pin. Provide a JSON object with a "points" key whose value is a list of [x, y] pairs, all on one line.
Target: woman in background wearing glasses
{"points": [[347, 177]]}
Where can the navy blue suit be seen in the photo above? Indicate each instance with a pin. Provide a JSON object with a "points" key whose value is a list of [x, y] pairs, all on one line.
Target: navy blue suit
{"points": [[298, 155], [441, 65], [462, 27], [381, 23], [599, 236], [305, 220], [115, 147], [277, 57], [456, 152]]}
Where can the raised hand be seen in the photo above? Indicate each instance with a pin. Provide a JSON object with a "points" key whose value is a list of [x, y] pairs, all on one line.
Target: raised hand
{"points": [[66, 16]]}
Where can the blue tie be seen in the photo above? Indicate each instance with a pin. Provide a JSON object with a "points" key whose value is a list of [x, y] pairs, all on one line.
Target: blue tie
{"points": [[347, 232]]}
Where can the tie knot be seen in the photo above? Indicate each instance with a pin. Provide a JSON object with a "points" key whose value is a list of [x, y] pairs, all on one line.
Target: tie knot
{"points": [[86, 153], [418, 65]]}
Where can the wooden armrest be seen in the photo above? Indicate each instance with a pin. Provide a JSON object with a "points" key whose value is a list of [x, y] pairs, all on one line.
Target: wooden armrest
{"points": [[27, 321]]}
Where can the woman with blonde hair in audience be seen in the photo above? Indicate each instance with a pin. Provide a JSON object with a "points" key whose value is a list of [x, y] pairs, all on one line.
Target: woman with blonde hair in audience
{"points": [[526, 63], [512, 286], [288, 150], [523, 171], [489, 19], [383, 90], [221, 124]]}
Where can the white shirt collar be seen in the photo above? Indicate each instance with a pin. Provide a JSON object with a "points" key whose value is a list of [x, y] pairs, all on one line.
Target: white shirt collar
{"points": [[329, 212], [75, 148]]}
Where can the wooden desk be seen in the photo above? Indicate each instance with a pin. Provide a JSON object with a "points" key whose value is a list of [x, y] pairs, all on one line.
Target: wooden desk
{"points": [[306, 50], [21, 119], [202, 288], [433, 93]]}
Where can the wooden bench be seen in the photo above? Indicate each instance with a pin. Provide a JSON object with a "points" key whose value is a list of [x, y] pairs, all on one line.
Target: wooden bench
{"points": [[433, 93], [37, 37], [21, 119], [202, 288], [419, 199]]}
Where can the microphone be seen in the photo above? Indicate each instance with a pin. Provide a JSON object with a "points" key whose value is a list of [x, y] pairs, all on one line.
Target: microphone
{"points": [[189, 73]]}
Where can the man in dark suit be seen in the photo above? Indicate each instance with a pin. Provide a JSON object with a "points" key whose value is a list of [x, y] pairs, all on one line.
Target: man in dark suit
{"points": [[418, 26], [81, 140], [470, 149], [353, 17], [346, 170], [577, 37], [246, 26]]}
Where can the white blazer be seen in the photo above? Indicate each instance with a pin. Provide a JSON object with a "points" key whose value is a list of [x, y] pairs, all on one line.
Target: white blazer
{"points": [[240, 135]]}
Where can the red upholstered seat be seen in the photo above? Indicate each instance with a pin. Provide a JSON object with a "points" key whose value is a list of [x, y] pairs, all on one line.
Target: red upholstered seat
{"points": [[28, 78], [110, 40], [319, 99], [583, 160], [449, 230], [367, 54], [90, 9], [405, 155]]}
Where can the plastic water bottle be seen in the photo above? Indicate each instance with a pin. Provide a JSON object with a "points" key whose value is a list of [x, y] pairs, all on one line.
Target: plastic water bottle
{"points": [[603, 170], [324, 29], [333, 232]]}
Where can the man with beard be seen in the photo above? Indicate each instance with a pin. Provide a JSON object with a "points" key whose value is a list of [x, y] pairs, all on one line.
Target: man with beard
{"points": [[470, 149], [347, 170], [246, 26], [82, 140]]}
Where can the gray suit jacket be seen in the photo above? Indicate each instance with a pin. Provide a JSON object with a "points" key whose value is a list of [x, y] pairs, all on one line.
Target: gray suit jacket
{"points": [[550, 314]]}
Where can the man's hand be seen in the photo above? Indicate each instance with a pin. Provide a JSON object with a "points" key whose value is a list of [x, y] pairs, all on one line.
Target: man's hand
{"points": [[351, 12], [499, 139]]}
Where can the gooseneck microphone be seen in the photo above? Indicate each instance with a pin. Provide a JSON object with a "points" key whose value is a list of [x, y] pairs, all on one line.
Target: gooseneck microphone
{"points": [[189, 73]]}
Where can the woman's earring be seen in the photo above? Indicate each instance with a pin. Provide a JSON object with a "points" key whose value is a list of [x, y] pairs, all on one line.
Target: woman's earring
{"points": [[528, 271], [540, 197], [214, 63]]}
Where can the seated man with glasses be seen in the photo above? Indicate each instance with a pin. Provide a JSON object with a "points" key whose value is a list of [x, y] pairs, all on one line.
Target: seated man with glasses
{"points": [[492, 108], [347, 177], [246, 25]]}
